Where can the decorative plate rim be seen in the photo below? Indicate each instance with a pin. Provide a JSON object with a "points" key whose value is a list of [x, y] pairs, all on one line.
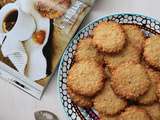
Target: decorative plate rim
{"points": [[76, 35]]}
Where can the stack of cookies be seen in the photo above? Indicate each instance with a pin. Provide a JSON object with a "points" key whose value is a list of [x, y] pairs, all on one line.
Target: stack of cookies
{"points": [[116, 71]]}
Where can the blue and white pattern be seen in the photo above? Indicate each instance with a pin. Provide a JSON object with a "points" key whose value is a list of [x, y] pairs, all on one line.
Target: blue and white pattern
{"points": [[149, 25]]}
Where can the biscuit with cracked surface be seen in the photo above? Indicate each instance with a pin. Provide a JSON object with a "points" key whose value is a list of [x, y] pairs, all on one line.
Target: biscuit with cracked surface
{"points": [[150, 96], [134, 113], [107, 102], [85, 51], [109, 37], [153, 110], [152, 51], [86, 77], [52, 8], [80, 100], [129, 53], [135, 36], [130, 80], [107, 117], [158, 90]]}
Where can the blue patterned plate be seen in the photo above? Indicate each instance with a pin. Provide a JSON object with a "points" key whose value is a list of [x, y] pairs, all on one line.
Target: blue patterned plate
{"points": [[149, 25]]}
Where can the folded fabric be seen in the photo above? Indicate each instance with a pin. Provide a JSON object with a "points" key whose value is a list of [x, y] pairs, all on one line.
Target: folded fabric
{"points": [[15, 51]]}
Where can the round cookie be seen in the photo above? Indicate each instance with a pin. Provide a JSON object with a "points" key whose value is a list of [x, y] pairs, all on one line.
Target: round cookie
{"points": [[129, 53], [4, 2], [106, 117], [86, 78], [130, 80], [52, 8], [150, 96], [152, 51], [85, 51], [80, 100], [153, 110], [154, 75], [135, 36], [134, 113], [107, 103], [108, 37], [158, 90]]}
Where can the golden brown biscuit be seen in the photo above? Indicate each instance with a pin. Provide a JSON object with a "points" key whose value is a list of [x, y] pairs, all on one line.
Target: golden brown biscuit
{"points": [[109, 37], [106, 117], [134, 113], [86, 77], [129, 53], [80, 100], [158, 90], [150, 96], [4, 2], [7, 1], [130, 80], [106, 102], [135, 36], [85, 51], [52, 8], [152, 51], [154, 75], [153, 110]]}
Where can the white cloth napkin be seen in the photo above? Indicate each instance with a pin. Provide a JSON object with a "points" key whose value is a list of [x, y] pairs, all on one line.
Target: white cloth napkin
{"points": [[37, 63], [14, 50]]}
